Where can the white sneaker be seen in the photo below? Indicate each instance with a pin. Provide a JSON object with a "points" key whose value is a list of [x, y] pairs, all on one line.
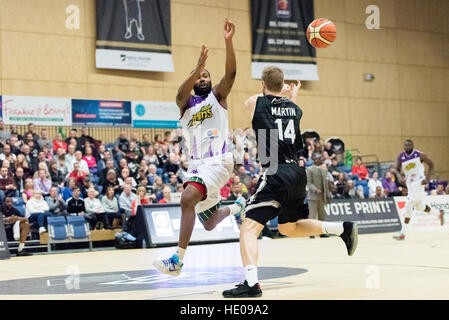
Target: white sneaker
{"points": [[42, 230], [171, 266]]}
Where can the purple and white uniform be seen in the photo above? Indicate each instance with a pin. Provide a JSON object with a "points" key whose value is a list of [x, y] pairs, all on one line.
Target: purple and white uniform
{"points": [[206, 135], [414, 173]]}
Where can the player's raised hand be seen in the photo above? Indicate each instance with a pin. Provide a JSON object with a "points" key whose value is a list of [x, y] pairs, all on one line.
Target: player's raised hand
{"points": [[229, 29], [201, 65]]}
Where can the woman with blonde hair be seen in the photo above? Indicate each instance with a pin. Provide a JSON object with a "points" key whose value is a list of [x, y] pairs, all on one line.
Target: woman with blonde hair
{"points": [[28, 190], [37, 210], [141, 199]]}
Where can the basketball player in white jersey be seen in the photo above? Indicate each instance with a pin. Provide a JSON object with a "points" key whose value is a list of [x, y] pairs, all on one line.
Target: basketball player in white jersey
{"points": [[411, 161], [204, 119]]}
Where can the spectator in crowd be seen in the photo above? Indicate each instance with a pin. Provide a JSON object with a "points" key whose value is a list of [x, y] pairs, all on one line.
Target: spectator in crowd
{"points": [[56, 206], [7, 155], [4, 134], [252, 185], [78, 174], [351, 192], [158, 186], [19, 180], [360, 170], [94, 209], [28, 190], [8, 186], [318, 187], [124, 175], [111, 208], [167, 195], [56, 176], [37, 210], [237, 191], [42, 183], [236, 179], [133, 154], [144, 183], [142, 198], [30, 159], [379, 193], [82, 163], [76, 206], [21, 162], [163, 155], [70, 157], [43, 141], [373, 183], [121, 146], [152, 174], [11, 216], [15, 144], [183, 171], [330, 150], [85, 140], [243, 175], [173, 182], [58, 143], [396, 177], [389, 185], [440, 189], [111, 182], [146, 142], [151, 157], [67, 192], [84, 188], [126, 200], [142, 172], [72, 137], [104, 172], [31, 130], [446, 190], [90, 161]]}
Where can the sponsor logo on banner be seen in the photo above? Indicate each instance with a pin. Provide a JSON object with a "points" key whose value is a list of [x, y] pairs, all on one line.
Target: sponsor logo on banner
{"points": [[155, 114], [371, 215], [423, 221], [42, 111], [101, 113], [162, 224]]}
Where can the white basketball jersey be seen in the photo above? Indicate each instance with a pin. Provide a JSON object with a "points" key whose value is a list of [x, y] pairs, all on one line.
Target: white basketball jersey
{"points": [[412, 166], [205, 130]]}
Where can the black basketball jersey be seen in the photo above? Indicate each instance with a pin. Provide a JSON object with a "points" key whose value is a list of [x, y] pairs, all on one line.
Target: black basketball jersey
{"points": [[281, 114]]}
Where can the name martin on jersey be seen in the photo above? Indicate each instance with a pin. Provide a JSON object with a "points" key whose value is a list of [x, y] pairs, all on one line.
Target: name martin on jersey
{"points": [[198, 118], [283, 112]]}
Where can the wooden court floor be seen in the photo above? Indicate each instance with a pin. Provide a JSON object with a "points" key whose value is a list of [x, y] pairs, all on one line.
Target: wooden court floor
{"points": [[291, 269]]}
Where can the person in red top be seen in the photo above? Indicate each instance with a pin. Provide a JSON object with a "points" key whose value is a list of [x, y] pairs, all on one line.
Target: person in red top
{"points": [[59, 143], [142, 198], [78, 174], [360, 170], [167, 195]]}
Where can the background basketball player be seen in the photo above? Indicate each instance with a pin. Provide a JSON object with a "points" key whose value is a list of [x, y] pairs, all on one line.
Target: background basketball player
{"points": [[411, 161]]}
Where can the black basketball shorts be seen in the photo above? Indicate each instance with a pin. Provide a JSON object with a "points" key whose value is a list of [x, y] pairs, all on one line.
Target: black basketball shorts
{"points": [[281, 194]]}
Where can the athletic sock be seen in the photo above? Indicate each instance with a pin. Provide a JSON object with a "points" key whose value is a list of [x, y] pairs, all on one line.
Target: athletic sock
{"points": [[332, 227], [404, 228], [234, 209], [251, 275], [21, 246], [180, 252]]}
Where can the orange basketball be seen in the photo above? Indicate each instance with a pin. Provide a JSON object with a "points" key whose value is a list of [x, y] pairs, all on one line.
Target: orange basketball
{"points": [[321, 33]]}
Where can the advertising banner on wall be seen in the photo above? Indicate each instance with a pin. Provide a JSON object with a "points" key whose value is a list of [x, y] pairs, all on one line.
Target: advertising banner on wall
{"points": [[101, 113], [279, 38], [422, 221], [371, 215], [160, 225], [155, 114], [134, 35], [42, 111]]}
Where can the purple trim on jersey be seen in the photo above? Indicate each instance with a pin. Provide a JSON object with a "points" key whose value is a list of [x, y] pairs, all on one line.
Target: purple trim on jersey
{"points": [[209, 152], [403, 157], [194, 100], [194, 152], [223, 150]]}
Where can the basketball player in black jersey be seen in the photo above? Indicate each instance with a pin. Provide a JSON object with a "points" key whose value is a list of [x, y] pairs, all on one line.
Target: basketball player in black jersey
{"points": [[282, 188]]}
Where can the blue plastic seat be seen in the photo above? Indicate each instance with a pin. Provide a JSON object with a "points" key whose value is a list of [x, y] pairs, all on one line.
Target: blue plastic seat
{"points": [[78, 227], [57, 228]]}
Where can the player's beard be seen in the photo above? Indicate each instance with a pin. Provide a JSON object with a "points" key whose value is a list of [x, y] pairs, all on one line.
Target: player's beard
{"points": [[202, 91]]}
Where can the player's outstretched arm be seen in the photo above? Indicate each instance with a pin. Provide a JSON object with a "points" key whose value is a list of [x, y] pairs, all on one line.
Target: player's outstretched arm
{"points": [[186, 87], [224, 87], [291, 91], [429, 162]]}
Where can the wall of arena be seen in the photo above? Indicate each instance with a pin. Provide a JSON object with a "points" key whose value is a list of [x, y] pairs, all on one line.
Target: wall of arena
{"points": [[409, 57]]}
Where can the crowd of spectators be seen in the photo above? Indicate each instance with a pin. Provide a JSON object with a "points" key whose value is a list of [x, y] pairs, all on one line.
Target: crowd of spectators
{"points": [[106, 182]]}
